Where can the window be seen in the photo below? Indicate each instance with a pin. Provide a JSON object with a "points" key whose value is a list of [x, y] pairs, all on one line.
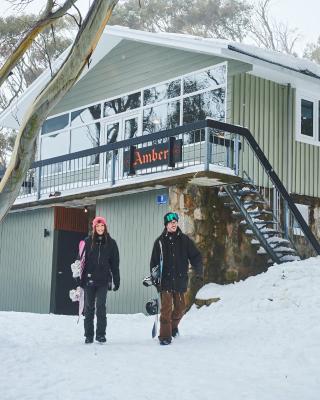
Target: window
{"points": [[212, 77], [308, 118], [86, 115], [86, 137], [161, 117], [55, 124], [162, 92], [122, 104], [160, 106]]}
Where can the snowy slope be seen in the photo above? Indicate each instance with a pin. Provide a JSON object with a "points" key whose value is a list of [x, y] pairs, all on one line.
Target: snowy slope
{"points": [[261, 341]]}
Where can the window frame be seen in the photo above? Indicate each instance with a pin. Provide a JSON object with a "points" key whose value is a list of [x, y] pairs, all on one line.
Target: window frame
{"points": [[140, 110], [315, 139]]}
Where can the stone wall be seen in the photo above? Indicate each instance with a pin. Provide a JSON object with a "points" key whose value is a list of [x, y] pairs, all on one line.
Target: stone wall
{"points": [[228, 255]]}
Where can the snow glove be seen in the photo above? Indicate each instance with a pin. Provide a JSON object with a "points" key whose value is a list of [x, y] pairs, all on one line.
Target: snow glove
{"points": [[116, 287]]}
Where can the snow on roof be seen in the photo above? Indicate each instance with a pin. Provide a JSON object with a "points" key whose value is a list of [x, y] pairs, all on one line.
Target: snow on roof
{"points": [[267, 63]]}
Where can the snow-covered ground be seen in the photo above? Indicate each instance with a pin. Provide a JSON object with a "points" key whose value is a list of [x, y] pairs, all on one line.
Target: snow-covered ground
{"points": [[261, 341]]}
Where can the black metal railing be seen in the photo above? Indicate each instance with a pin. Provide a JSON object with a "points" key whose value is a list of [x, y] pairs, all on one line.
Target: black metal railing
{"points": [[174, 150]]}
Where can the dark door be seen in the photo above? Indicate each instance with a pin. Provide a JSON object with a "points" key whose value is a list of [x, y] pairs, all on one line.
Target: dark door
{"points": [[67, 250]]}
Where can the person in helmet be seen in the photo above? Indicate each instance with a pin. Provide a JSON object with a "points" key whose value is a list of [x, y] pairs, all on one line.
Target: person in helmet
{"points": [[101, 268], [175, 251]]}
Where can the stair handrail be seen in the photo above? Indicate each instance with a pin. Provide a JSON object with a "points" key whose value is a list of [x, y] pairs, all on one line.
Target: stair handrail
{"points": [[245, 132]]}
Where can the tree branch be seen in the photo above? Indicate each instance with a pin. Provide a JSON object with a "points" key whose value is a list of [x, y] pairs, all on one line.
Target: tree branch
{"points": [[45, 20]]}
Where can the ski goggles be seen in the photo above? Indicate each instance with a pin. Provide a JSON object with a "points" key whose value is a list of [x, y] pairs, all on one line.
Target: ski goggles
{"points": [[172, 217]]}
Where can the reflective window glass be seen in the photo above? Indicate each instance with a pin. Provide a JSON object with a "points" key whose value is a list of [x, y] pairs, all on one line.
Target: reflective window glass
{"points": [[55, 145], [55, 124], [205, 79], [86, 115], [162, 92], [162, 117], [306, 118], [86, 137], [112, 131], [122, 104], [131, 128], [207, 104]]}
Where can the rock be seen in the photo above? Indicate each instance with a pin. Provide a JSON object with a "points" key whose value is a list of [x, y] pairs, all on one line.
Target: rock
{"points": [[199, 303]]}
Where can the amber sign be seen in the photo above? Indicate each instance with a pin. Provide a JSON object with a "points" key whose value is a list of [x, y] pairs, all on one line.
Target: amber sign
{"points": [[152, 156]]}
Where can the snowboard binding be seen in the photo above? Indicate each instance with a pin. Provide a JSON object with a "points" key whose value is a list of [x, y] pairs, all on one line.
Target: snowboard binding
{"points": [[153, 278], [152, 307]]}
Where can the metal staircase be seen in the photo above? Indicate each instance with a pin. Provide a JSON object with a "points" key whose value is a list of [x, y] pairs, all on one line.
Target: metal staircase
{"points": [[260, 221], [264, 205]]}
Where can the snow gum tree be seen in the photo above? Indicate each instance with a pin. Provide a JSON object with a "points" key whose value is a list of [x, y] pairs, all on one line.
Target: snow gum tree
{"points": [[79, 56]]}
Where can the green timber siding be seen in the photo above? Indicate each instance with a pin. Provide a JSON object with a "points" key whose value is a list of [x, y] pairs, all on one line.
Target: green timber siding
{"points": [[134, 221], [268, 110], [131, 66], [26, 261]]}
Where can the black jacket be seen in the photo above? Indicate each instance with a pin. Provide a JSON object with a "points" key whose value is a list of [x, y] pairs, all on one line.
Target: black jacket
{"points": [[178, 250], [101, 262]]}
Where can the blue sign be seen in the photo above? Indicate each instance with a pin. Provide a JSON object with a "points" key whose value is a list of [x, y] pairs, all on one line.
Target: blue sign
{"points": [[162, 199]]}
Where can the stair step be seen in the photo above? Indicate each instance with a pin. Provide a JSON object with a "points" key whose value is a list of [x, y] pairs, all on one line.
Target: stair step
{"points": [[254, 202], [289, 257], [242, 192], [287, 250], [271, 233], [278, 241], [259, 212], [262, 222]]}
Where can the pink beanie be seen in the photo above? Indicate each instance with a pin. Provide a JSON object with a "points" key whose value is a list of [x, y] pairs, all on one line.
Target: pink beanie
{"points": [[98, 220]]}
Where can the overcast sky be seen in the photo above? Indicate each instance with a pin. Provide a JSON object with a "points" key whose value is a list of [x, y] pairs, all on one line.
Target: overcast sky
{"points": [[301, 14]]}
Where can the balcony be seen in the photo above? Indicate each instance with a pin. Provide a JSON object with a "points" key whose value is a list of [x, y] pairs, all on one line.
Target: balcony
{"points": [[196, 152]]}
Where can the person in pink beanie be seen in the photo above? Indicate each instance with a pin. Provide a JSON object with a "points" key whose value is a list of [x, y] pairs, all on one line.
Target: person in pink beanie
{"points": [[101, 269]]}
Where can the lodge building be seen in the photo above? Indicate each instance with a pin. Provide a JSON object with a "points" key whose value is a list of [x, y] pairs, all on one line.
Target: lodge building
{"points": [[225, 134]]}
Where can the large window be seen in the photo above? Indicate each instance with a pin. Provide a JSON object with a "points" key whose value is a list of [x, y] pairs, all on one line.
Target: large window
{"points": [[161, 106]]}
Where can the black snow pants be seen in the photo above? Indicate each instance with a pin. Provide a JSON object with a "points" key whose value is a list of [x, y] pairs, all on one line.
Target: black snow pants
{"points": [[95, 298]]}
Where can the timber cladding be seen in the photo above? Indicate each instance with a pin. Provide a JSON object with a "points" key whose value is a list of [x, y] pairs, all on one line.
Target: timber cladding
{"points": [[70, 219]]}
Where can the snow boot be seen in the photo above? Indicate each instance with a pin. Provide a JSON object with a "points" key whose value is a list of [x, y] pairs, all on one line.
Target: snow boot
{"points": [[101, 339], [164, 342], [175, 332], [88, 340]]}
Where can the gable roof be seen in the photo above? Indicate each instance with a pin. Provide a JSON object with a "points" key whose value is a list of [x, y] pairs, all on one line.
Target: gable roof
{"points": [[268, 64]]}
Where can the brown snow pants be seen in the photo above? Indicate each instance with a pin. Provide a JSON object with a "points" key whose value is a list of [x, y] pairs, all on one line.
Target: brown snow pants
{"points": [[173, 307]]}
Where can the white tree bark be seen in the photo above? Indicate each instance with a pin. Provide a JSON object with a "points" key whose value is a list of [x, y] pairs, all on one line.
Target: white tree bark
{"points": [[24, 150]]}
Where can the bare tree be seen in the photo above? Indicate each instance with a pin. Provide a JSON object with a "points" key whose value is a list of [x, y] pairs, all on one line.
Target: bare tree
{"points": [[312, 51], [78, 57], [269, 33]]}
